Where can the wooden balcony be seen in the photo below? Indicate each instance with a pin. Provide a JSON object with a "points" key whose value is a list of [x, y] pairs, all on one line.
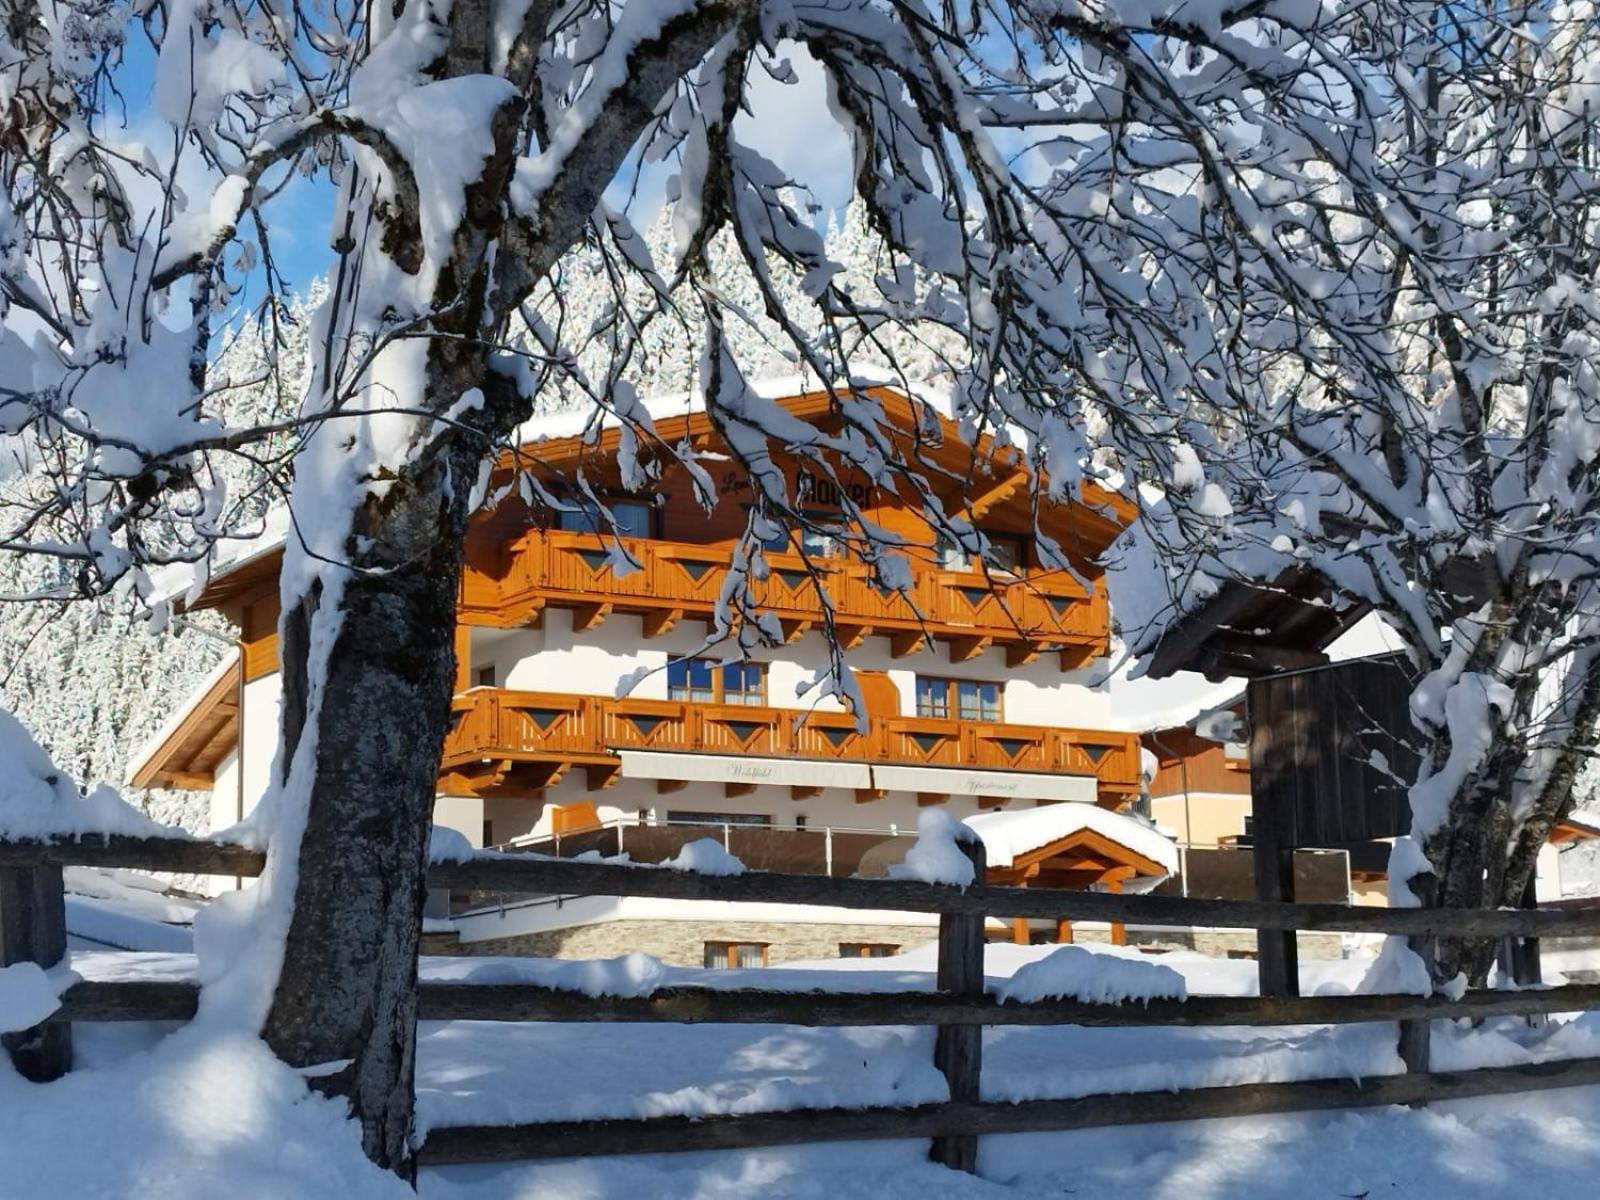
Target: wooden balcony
{"points": [[511, 741], [1048, 611]]}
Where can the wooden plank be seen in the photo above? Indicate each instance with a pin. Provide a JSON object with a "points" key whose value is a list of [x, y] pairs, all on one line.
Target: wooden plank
{"points": [[958, 1049], [527, 874], [175, 1000], [512, 873], [129, 1000], [188, 856], [656, 1135], [33, 929]]}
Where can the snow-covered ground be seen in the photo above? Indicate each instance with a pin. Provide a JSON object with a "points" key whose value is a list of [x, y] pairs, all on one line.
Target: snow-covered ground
{"points": [[191, 1113]]}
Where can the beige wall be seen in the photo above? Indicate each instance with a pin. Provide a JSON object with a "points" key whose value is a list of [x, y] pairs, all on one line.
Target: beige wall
{"points": [[1201, 818], [1375, 893], [682, 943]]}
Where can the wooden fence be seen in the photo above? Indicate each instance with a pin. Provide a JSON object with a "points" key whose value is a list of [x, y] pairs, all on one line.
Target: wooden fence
{"points": [[32, 928]]}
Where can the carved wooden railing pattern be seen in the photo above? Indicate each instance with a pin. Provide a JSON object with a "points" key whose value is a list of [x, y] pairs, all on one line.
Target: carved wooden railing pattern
{"points": [[501, 723], [1043, 610]]}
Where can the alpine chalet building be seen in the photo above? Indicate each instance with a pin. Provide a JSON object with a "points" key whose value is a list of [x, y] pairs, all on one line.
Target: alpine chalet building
{"points": [[591, 716]]}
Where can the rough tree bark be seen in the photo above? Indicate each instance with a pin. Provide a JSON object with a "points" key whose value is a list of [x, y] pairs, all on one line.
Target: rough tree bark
{"points": [[348, 985], [347, 990]]}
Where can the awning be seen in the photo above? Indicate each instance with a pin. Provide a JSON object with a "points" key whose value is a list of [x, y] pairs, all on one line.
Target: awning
{"points": [[963, 781], [722, 768], [785, 772]]}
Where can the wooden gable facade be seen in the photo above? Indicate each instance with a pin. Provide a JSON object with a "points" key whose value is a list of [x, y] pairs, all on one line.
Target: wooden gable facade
{"points": [[520, 563]]}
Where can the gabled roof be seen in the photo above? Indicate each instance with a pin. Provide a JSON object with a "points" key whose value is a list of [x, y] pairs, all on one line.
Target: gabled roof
{"points": [[1249, 629], [917, 422], [1019, 837]]}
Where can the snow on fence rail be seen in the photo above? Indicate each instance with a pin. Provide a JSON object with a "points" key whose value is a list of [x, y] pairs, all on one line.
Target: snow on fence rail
{"points": [[32, 929]]}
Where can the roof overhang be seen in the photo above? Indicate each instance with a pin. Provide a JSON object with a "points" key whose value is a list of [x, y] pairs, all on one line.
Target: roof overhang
{"points": [[1254, 629]]}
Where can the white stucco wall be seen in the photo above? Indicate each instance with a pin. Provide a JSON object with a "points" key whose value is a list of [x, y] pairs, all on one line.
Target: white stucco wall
{"points": [[599, 661]]}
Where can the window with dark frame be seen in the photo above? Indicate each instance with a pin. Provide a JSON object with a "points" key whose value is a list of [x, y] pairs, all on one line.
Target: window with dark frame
{"points": [[966, 699], [728, 956], [868, 949], [1006, 552], [706, 681], [632, 518], [484, 676], [676, 816]]}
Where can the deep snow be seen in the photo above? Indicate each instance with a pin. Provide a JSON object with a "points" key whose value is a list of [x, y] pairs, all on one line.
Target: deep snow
{"points": [[207, 1113]]}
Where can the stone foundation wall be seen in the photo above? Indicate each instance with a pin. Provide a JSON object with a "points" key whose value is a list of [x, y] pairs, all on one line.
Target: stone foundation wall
{"points": [[682, 943]]}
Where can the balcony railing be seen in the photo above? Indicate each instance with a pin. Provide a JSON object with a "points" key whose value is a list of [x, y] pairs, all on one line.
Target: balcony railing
{"points": [[1042, 610], [789, 849], [500, 724]]}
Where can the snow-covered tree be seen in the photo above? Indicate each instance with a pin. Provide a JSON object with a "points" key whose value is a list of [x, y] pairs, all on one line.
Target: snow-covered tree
{"points": [[1421, 434], [1111, 226]]}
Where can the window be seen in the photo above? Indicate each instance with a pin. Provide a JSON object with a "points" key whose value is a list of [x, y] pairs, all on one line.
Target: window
{"points": [[741, 683], [709, 682], [1007, 552], [977, 701], [488, 832], [721, 956], [484, 676], [633, 518], [682, 817], [868, 949], [691, 679], [967, 699], [933, 697], [814, 533]]}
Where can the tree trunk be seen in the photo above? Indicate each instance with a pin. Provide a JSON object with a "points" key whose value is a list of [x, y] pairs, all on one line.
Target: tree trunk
{"points": [[347, 991]]}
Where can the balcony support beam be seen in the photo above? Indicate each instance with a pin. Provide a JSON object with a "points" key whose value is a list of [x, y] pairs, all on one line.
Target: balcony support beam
{"points": [[603, 775], [987, 802], [1074, 658], [546, 775], [734, 790], [1020, 654], [660, 620], [906, 641], [799, 792], [963, 649], [929, 799], [868, 795], [589, 616], [794, 630], [665, 787], [850, 636], [984, 501]]}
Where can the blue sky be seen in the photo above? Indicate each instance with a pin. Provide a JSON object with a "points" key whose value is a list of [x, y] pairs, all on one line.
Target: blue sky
{"points": [[790, 123]]}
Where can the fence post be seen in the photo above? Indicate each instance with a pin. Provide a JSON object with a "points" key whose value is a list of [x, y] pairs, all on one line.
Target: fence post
{"points": [[1416, 1036], [958, 1049], [1526, 969], [33, 928]]}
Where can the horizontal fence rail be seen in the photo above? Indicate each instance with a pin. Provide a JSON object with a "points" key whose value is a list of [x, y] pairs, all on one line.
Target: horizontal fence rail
{"points": [[537, 875], [959, 1008], [176, 1000], [654, 1135]]}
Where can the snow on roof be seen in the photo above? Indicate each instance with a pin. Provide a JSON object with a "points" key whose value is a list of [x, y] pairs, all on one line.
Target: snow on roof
{"points": [[186, 580], [664, 406], [1144, 704], [1008, 836]]}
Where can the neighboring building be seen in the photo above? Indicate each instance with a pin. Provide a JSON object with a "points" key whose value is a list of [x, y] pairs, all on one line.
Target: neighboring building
{"points": [[977, 686], [1200, 793]]}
